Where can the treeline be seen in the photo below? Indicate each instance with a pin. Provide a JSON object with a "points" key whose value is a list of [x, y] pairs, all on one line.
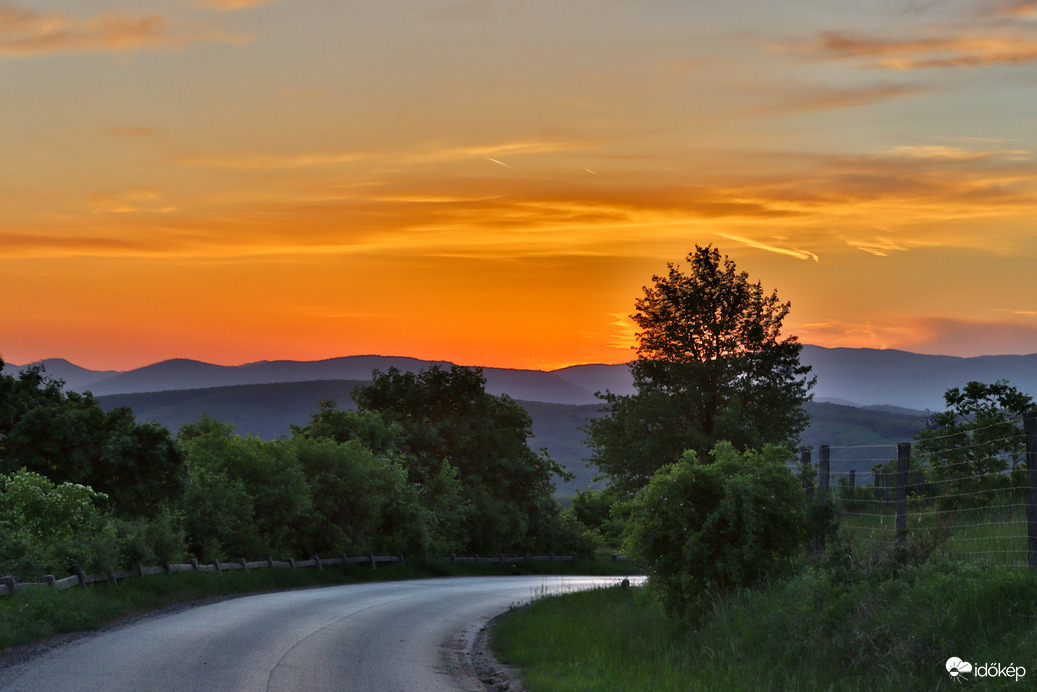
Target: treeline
{"points": [[429, 464]]}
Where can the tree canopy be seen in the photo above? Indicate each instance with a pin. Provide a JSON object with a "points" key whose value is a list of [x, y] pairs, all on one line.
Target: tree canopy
{"points": [[449, 420], [976, 438], [68, 437], [712, 366]]}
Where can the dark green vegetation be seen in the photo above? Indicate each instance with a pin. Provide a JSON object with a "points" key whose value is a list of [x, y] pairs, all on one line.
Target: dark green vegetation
{"points": [[455, 434], [976, 436], [890, 628], [712, 366], [68, 437], [705, 526], [431, 465], [40, 613]]}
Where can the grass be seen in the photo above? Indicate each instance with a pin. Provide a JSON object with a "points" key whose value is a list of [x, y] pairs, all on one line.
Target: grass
{"points": [[36, 614], [991, 535], [810, 631]]}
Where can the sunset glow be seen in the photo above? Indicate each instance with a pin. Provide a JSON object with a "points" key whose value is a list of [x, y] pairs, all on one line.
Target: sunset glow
{"points": [[491, 182]]}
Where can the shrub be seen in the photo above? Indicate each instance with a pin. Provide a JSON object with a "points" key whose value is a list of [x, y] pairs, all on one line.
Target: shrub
{"points": [[699, 527]]}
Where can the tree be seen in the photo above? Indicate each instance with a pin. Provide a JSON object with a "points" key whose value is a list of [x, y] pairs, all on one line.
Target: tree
{"points": [[68, 437], [712, 365], [702, 527], [448, 419], [969, 446]]}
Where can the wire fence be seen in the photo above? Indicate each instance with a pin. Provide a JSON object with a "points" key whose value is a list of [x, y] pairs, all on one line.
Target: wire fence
{"points": [[970, 495]]}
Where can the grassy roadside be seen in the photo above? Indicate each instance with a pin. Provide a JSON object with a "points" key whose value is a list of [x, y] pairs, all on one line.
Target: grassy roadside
{"points": [[809, 631], [36, 614]]}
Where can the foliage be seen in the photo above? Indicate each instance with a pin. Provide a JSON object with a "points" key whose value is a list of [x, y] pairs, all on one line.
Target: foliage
{"points": [[711, 366], [50, 528], [67, 437], [448, 418], [969, 446], [311, 492], [361, 501], [369, 428], [603, 512], [703, 527]]}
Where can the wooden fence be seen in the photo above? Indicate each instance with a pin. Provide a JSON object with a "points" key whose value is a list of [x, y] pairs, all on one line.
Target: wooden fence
{"points": [[9, 585]]}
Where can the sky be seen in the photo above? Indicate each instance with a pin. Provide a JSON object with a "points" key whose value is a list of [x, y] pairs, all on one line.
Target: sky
{"points": [[492, 182]]}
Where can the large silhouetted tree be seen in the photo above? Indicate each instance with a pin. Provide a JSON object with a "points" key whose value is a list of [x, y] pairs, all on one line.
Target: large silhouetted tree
{"points": [[712, 365]]}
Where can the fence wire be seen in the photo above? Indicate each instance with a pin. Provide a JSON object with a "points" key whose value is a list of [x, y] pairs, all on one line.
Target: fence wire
{"points": [[967, 501]]}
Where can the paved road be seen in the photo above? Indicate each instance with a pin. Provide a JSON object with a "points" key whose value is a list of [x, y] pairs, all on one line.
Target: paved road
{"points": [[387, 636]]}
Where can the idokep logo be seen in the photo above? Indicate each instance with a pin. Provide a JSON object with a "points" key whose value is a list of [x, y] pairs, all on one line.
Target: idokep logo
{"points": [[958, 668]]}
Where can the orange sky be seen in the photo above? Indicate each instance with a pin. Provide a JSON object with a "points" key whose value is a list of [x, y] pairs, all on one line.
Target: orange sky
{"points": [[492, 181]]}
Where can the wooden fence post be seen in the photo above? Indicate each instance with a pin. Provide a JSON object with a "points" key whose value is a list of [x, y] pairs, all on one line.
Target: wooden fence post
{"points": [[1030, 428], [824, 468], [853, 482], [903, 463]]}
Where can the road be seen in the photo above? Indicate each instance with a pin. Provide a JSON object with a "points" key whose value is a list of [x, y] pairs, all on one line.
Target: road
{"points": [[385, 636]]}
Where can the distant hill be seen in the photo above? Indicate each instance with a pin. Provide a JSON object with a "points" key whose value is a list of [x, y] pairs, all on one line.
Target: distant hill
{"points": [[910, 380], [268, 411], [182, 373], [75, 377], [848, 376]]}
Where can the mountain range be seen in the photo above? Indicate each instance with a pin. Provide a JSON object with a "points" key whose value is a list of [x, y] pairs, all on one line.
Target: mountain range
{"points": [[854, 377], [862, 396]]}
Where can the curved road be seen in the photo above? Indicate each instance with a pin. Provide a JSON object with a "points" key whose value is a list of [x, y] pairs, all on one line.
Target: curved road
{"points": [[393, 636]]}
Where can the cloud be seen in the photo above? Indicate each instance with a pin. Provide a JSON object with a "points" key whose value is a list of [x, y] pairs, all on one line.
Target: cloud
{"points": [[956, 154], [27, 32], [825, 98], [925, 53], [770, 247], [139, 200], [231, 5], [1015, 9], [881, 246], [428, 154]]}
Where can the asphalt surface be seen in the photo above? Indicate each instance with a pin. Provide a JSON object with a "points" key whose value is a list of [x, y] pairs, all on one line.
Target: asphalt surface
{"points": [[387, 636]]}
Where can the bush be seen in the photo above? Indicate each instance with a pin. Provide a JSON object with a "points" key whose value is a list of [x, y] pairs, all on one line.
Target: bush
{"points": [[51, 528], [700, 527]]}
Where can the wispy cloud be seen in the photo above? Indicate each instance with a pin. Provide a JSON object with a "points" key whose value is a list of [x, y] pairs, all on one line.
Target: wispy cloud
{"points": [[958, 50], [231, 5], [26, 32], [429, 154], [824, 98], [1012, 9], [141, 200], [772, 247]]}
